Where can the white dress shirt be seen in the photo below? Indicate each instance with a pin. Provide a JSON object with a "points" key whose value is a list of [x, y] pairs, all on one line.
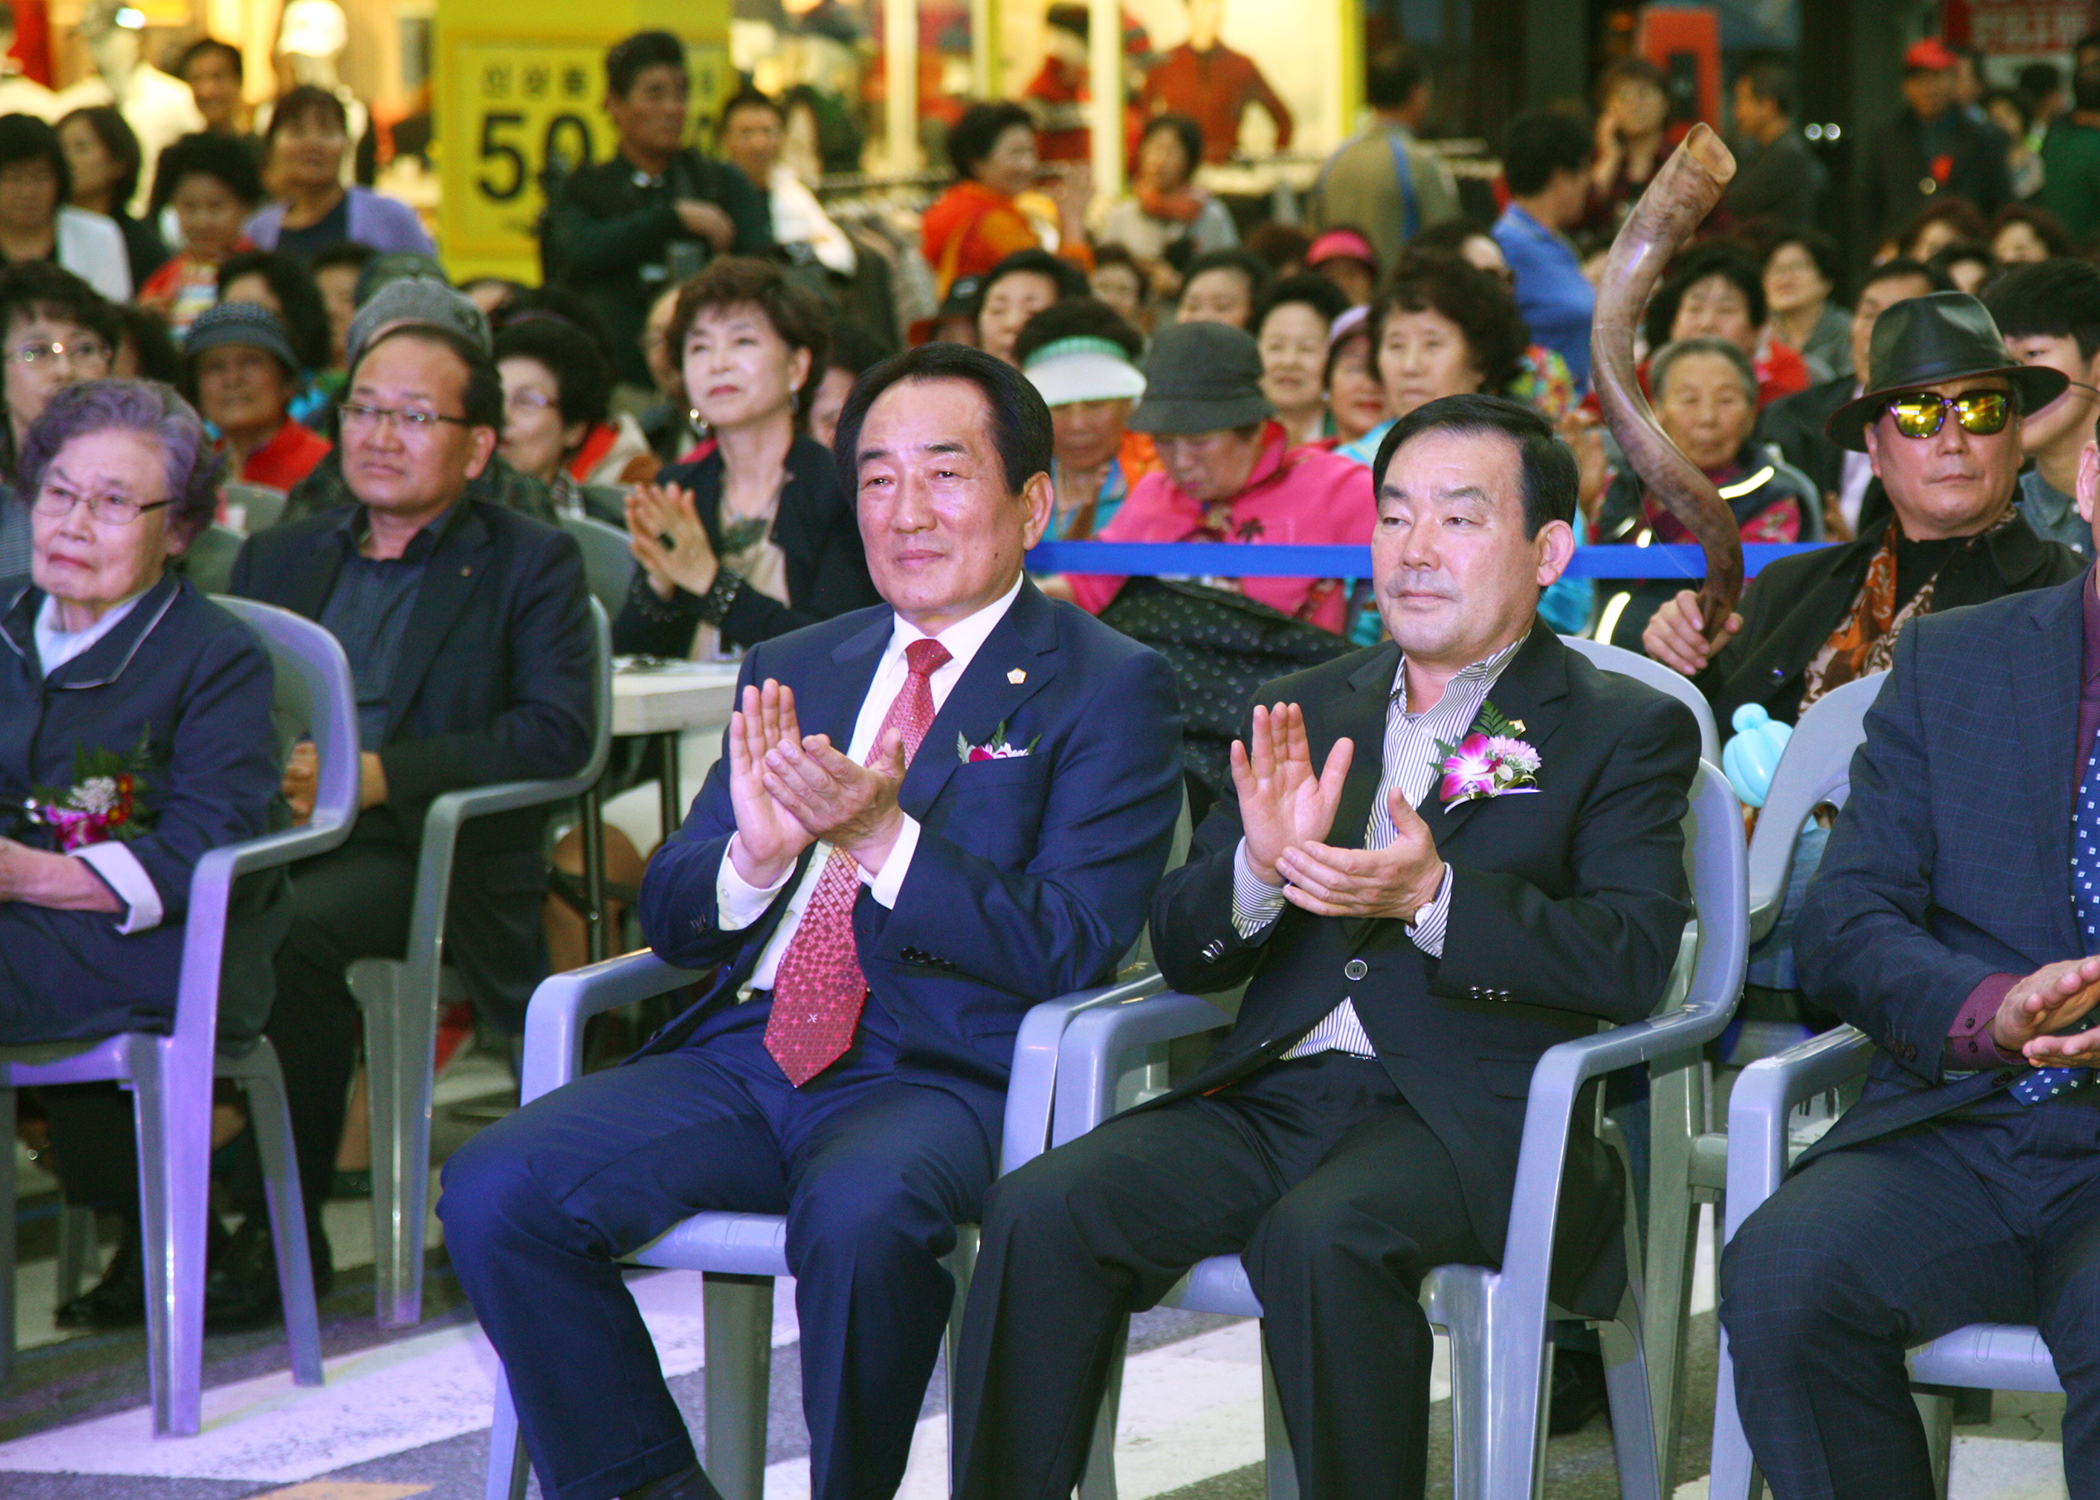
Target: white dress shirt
{"points": [[799, 218], [1856, 473], [1411, 767], [740, 903], [118, 866]]}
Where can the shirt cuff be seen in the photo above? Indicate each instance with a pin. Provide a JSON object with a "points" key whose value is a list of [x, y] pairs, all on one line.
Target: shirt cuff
{"points": [[739, 903], [1970, 1046], [1427, 929], [121, 872], [1255, 902], [884, 884]]}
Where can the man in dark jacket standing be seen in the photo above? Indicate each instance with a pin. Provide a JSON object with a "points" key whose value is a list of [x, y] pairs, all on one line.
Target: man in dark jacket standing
{"points": [[659, 210], [1933, 149]]}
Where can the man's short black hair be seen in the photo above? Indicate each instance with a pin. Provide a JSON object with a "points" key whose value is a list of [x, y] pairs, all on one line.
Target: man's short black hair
{"points": [[1020, 421], [483, 398], [749, 97], [1308, 287], [1772, 81], [1078, 318], [2049, 299], [1541, 142], [26, 138], [226, 159], [974, 137], [2038, 80], [1550, 480], [1391, 76], [645, 49], [1903, 267]]}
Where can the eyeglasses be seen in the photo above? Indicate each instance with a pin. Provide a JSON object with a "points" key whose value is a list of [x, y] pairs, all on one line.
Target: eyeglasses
{"points": [[525, 402], [109, 510], [358, 414], [79, 351], [1922, 414]]}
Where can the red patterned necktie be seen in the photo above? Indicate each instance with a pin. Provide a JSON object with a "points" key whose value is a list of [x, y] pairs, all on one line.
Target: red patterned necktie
{"points": [[819, 989]]}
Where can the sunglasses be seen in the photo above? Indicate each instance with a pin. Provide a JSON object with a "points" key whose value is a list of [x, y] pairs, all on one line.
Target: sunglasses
{"points": [[1923, 414]]}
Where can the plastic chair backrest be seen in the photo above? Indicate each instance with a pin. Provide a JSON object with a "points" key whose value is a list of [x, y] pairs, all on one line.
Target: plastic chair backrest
{"points": [[1815, 768], [262, 505], [1720, 892], [608, 565], [1661, 678]]}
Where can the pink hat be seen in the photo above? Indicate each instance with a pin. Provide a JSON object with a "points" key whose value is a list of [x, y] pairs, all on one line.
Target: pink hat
{"points": [[1339, 243]]}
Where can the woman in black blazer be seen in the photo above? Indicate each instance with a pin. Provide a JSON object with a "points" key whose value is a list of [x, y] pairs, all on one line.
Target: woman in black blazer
{"points": [[753, 539]]}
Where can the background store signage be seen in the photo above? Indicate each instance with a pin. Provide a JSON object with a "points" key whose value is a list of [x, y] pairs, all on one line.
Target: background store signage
{"points": [[2027, 27]]}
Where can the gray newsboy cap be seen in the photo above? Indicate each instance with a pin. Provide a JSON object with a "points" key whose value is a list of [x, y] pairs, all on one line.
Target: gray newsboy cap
{"points": [[417, 301], [1201, 377], [244, 323]]}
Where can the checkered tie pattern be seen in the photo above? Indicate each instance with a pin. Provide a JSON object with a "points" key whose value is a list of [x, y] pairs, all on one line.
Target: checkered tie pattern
{"points": [[819, 989], [2043, 1084]]}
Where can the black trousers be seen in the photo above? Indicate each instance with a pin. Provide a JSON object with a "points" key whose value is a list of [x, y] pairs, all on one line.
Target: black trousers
{"points": [[1991, 1216], [1338, 1197]]}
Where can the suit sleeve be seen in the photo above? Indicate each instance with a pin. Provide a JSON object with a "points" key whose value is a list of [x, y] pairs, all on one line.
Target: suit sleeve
{"points": [[1066, 919], [546, 729], [1861, 940], [1605, 949]]}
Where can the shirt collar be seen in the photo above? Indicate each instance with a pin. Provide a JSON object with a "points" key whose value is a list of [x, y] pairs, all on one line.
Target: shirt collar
{"points": [[964, 637], [56, 646], [1483, 672], [357, 521]]}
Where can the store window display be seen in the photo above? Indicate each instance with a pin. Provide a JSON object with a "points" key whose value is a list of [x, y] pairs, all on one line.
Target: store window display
{"points": [[1208, 81], [160, 110]]}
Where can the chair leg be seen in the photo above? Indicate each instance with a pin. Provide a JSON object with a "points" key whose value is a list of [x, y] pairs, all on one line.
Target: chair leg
{"points": [[1733, 1473], [508, 1469], [1279, 1467], [1936, 1409], [172, 1100], [1626, 1378], [79, 1255], [400, 1042], [1677, 1109], [962, 1266], [270, 1118], [739, 1335], [7, 1235], [1098, 1480]]}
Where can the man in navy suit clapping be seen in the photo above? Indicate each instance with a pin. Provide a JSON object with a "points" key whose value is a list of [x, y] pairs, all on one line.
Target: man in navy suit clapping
{"points": [[930, 815]]}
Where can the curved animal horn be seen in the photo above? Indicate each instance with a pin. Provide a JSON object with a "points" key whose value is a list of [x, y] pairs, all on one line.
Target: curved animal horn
{"points": [[1683, 192]]}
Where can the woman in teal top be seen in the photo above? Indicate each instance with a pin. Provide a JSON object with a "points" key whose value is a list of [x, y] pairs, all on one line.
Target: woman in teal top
{"points": [[1082, 356]]}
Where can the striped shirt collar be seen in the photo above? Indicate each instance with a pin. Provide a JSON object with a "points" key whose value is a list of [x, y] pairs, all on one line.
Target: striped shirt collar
{"points": [[1483, 673]]}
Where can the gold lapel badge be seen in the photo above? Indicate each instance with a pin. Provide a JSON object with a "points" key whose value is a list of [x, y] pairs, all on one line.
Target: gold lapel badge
{"points": [[1517, 725], [1017, 677]]}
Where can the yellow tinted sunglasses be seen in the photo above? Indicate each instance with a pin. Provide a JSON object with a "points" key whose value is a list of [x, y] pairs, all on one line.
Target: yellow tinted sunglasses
{"points": [[1922, 414]]}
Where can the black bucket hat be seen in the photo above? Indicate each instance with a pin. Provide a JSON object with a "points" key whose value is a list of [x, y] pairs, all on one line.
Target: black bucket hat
{"points": [[1929, 341], [1201, 377]]}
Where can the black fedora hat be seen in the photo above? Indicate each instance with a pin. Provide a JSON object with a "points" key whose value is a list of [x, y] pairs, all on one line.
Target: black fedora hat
{"points": [[1201, 377], [1932, 340]]}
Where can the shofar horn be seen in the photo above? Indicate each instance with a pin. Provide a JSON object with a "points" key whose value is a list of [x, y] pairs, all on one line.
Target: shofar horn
{"points": [[1681, 194]]}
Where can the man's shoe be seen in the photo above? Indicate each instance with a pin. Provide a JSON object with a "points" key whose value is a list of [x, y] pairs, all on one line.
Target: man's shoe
{"points": [[687, 1484], [1579, 1394], [242, 1294], [118, 1300]]}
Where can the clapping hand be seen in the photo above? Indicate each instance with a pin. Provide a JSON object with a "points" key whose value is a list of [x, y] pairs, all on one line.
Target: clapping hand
{"points": [[835, 798], [769, 838], [667, 539], [1283, 803], [2053, 997], [1396, 881]]}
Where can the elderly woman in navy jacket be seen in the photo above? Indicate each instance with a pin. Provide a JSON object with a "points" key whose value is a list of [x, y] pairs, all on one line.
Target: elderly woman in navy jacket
{"points": [[135, 723]]}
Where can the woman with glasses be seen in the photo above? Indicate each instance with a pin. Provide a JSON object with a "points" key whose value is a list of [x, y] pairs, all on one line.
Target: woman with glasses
{"points": [[159, 748], [54, 330], [37, 224], [556, 391], [238, 366]]}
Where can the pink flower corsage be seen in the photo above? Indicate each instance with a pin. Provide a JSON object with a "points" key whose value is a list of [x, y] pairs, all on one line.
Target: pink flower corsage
{"points": [[101, 804], [994, 748], [1489, 762]]}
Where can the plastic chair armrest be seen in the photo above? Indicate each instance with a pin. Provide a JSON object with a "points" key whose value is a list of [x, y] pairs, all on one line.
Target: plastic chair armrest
{"points": [[1032, 1090], [563, 1002], [1096, 1040], [1765, 1094]]}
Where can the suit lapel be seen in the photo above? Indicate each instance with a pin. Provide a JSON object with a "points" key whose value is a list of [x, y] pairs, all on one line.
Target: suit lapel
{"points": [[1359, 716], [1025, 641], [832, 704], [308, 588], [1528, 692], [2045, 705], [458, 565]]}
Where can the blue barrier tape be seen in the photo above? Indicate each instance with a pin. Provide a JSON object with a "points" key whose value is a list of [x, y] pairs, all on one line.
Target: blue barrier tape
{"points": [[1240, 560]]}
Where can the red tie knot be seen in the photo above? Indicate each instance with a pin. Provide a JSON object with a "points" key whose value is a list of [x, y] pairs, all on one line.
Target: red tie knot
{"points": [[924, 658]]}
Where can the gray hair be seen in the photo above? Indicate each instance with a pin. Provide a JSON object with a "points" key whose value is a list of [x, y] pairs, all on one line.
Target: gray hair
{"points": [[190, 465], [1669, 354]]}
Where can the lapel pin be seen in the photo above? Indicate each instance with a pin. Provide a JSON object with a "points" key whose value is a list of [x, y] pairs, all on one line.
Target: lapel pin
{"points": [[1517, 725], [1017, 677]]}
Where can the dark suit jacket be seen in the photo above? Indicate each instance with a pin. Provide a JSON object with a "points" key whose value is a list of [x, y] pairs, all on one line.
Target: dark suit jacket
{"points": [[493, 684], [1791, 608], [1031, 874], [1921, 897], [1895, 164], [1795, 425], [198, 686], [1566, 910], [816, 531]]}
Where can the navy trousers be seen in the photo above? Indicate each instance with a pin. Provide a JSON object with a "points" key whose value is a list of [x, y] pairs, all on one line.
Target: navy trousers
{"points": [[872, 1174], [1989, 1216]]}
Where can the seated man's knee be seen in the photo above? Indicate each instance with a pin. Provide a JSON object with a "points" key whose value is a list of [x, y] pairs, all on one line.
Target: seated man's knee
{"points": [[489, 1191], [1785, 1275]]}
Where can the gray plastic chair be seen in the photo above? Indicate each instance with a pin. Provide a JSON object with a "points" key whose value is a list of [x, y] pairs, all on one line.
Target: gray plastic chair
{"points": [[1661, 678], [1498, 1320], [399, 998], [740, 1254], [171, 1076], [262, 504], [608, 564], [1688, 1163], [1982, 1356]]}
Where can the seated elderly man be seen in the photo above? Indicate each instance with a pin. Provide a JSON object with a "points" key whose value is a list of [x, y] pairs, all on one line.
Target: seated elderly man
{"points": [[1940, 422], [469, 636], [1954, 921], [879, 920], [1410, 943]]}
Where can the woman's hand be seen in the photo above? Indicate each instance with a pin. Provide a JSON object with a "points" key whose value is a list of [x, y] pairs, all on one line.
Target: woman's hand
{"points": [[302, 776], [656, 512], [57, 882], [1071, 193]]}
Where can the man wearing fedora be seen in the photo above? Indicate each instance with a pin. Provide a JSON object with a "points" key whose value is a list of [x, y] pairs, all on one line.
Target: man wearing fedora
{"points": [[1940, 423]]}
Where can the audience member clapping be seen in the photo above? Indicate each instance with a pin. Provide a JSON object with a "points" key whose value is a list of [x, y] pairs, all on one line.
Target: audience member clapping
{"points": [[977, 223], [1292, 333], [212, 184]]}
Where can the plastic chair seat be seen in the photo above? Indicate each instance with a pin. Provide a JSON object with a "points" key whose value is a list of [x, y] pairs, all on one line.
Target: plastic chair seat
{"points": [[740, 1244], [1987, 1356]]}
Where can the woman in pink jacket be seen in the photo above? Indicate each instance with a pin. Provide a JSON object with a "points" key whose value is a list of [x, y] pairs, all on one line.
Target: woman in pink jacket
{"points": [[1228, 475]]}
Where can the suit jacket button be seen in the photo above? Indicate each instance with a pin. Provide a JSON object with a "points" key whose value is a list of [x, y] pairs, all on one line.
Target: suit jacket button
{"points": [[1356, 968]]}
